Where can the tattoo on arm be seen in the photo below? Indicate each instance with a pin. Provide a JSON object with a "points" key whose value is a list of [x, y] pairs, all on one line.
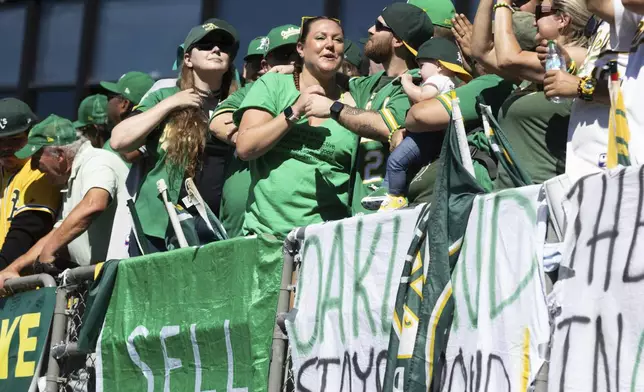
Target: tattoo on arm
{"points": [[362, 127]]}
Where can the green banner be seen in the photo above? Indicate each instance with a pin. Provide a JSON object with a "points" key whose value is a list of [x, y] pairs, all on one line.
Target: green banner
{"points": [[196, 319], [25, 319]]}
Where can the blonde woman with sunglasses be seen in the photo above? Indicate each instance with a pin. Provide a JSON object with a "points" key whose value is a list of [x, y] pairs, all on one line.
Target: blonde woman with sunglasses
{"points": [[172, 124], [299, 165]]}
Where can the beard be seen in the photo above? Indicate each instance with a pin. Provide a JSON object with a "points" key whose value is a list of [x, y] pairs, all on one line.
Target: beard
{"points": [[378, 51]]}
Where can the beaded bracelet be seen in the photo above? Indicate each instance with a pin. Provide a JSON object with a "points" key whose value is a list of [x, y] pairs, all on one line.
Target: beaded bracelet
{"points": [[502, 4], [391, 134], [572, 69]]}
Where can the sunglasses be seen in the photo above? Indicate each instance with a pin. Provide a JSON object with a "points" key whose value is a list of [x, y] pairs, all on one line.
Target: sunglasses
{"points": [[223, 42], [309, 19], [381, 27], [544, 10], [591, 26]]}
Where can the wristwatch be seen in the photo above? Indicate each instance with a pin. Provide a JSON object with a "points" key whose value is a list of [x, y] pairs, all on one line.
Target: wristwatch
{"points": [[586, 88], [336, 108], [290, 115]]}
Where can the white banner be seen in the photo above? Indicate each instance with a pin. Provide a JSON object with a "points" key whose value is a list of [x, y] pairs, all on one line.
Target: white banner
{"points": [[599, 328], [339, 329], [501, 315]]}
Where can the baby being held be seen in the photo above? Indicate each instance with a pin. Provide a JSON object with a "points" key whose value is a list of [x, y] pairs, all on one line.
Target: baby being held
{"points": [[439, 61]]}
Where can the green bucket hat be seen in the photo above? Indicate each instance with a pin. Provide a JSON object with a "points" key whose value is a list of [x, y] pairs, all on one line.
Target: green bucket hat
{"points": [[179, 58], [525, 30], [447, 54], [440, 12], [15, 117], [409, 23], [257, 47], [52, 131], [132, 85], [197, 33], [352, 53], [92, 110], [282, 35]]}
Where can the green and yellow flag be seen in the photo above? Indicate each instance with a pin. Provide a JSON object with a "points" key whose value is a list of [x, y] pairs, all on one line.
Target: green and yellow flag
{"points": [[619, 135]]}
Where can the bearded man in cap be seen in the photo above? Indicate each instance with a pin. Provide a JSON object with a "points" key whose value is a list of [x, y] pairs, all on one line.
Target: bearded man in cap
{"points": [[381, 103], [28, 201]]}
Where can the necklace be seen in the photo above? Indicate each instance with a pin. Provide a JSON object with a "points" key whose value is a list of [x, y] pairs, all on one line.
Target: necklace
{"points": [[208, 94]]}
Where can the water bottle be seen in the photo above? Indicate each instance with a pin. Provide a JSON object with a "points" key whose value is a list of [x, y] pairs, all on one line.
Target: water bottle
{"points": [[554, 60]]}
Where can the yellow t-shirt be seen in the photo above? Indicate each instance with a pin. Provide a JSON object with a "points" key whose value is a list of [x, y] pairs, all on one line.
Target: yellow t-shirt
{"points": [[26, 190]]}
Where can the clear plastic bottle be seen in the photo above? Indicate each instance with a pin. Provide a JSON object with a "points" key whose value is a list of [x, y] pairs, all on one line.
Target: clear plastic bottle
{"points": [[554, 60]]}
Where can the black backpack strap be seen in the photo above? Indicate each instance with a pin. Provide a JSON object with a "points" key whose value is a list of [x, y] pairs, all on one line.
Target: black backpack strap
{"points": [[486, 160]]}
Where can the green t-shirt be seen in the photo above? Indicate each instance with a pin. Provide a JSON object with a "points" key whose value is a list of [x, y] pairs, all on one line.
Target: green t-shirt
{"points": [[492, 90], [304, 178], [386, 96], [109, 148], [234, 194], [537, 130], [149, 207]]}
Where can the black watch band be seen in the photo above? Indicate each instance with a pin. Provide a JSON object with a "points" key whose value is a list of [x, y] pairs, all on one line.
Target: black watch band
{"points": [[290, 116], [336, 108]]}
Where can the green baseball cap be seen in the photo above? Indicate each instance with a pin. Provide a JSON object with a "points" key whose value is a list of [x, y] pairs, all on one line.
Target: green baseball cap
{"points": [[15, 117], [282, 35], [352, 53], [179, 58], [92, 110], [525, 30], [132, 85], [198, 33], [52, 131], [447, 54], [409, 23], [257, 47], [440, 12]]}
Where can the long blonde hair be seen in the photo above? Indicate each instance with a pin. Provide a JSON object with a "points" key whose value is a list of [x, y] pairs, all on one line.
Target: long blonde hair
{"points": [[187, 129], [579, 16]]}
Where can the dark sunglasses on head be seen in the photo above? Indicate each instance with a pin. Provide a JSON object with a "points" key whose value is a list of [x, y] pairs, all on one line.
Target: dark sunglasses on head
{"points": [[309, 19], [544, 10], [592, 26], [381, 26]]}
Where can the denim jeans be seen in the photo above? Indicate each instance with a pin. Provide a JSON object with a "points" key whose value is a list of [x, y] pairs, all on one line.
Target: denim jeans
{"points": [[411, 154]]}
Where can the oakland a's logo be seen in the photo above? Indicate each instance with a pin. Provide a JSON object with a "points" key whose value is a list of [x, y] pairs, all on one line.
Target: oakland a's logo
{"points": [[263, 44], [291, 31], [209, 26]]}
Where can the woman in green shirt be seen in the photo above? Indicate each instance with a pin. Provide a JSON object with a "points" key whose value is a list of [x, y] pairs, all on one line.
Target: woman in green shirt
{"points": [[172, 124], [299, 166]]}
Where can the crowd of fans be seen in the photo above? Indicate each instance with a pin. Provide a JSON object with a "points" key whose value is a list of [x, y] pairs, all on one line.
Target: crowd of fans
{"points": [[313, 130]]}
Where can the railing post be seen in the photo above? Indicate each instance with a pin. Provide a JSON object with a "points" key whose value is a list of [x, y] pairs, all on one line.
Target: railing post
{"points": [[278, 349], [57, 336]]}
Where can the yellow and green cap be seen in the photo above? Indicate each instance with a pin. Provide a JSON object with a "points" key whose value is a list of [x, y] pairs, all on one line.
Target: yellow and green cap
{"points": [[52, 131], [352, 53], [409, 23], [257, 47], [92, 110], [15, 117], [282, 35], [446, 53], [440, 12], [211, 26], [132, 85]]}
